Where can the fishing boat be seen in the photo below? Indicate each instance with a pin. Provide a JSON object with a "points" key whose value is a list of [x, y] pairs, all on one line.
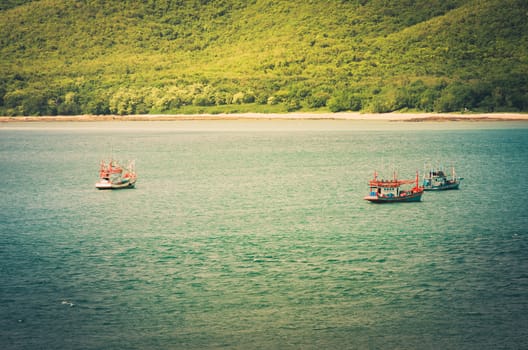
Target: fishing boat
{"points": [[113, 175], [394, 190], [437, 180]]}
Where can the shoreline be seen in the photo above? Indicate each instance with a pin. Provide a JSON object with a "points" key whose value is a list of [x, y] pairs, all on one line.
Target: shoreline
{"points": [[405, 117]]}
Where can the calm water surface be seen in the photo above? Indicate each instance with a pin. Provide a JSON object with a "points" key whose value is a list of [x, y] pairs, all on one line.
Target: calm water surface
{"points": [[254, 235]]}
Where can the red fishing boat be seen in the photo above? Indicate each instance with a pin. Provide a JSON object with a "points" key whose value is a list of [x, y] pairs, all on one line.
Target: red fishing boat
{"points": [[113, 175], [395, 190]]}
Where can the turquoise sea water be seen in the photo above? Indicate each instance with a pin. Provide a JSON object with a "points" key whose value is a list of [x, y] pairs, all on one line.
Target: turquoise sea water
{"points": [[254, 235]]}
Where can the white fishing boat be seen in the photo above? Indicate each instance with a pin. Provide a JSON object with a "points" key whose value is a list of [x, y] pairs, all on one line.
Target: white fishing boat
{"points": [[113, 176], [436, 179]]}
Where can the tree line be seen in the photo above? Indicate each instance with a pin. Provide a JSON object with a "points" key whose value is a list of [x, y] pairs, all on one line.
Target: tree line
{"points": [[509, 95]]}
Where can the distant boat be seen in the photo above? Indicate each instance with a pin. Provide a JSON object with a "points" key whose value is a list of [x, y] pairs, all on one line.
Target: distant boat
{"points": [[113, 176], [437, 180], [395, 190]]}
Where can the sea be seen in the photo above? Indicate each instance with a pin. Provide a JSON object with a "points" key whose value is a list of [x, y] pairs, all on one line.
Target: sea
{"points": [[254, 234]]}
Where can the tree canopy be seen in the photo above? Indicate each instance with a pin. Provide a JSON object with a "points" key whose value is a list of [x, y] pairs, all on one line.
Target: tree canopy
{"points": [[193, 56]]}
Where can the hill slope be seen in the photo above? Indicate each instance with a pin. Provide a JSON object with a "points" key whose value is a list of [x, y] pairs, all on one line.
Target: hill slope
{"points": [[98, 57]]}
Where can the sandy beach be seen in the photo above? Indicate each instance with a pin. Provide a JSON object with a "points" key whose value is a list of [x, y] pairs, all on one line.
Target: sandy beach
{"points": [[406, 117]]}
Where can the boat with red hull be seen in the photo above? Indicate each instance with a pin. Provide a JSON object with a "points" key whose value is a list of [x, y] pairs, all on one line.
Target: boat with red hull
{"points": [[394, 190]]}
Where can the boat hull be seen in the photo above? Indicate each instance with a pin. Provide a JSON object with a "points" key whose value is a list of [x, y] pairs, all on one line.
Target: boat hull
{"points": [[452, 186], [414, 197], [106, 185]]}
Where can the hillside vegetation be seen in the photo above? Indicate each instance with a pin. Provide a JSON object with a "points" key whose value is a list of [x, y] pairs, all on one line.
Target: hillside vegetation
{"points": [[214, 56]]}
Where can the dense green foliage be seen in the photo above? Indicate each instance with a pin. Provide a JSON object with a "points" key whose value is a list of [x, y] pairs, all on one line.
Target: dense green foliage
{"points": [[193, 56]]}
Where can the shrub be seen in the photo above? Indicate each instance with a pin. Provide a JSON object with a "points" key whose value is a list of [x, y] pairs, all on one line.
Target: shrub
{"points": [[317, 100], [344, 101]]}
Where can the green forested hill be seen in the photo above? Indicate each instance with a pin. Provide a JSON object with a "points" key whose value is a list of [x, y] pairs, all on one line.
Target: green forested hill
{"points": [[191, 56]]}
